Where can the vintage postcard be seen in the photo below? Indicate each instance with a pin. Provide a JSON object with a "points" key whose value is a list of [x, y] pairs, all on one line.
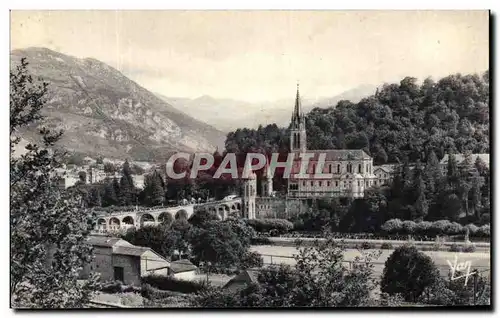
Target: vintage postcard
{"points": [[250, 159]]}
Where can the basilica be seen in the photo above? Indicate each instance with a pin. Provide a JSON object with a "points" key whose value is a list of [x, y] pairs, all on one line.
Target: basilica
{"points": [[350, 172]]}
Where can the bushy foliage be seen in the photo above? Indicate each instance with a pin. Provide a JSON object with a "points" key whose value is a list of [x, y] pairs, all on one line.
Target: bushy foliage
{"points": [[446, 292], [266, 225], [441, 227], [48, 227], [318, 279], [173, 284], [408, 272], [386, 246]]}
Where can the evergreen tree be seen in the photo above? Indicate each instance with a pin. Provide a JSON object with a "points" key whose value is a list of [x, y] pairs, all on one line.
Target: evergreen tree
{"points": [[452, 171], [421, 205], [154, 191], [111, 190], [127, 188], [432, 174], [95, 197], [476, 197]]}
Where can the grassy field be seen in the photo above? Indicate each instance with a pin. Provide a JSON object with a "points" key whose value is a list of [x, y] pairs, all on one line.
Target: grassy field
{"points": [[479, 260]]}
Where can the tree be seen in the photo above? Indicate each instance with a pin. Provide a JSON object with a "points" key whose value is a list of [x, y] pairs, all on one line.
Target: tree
{"points": [[48, 227], [154, 191], [110, 196], [217, 244], [127, 188], [202, 217], [95, 199], [432, 174], [421, 205], [99, 160], [109, 167], [452, 171], [408, 272], [452, 207], [319, 279]]}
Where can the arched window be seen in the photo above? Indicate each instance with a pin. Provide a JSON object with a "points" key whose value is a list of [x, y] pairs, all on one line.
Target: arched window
{"points": [[330, 168], [338, 168], [360, 169]]}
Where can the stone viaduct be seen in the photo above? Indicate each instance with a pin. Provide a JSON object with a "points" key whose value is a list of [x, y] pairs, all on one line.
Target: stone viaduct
{"points": [[119, 221]]}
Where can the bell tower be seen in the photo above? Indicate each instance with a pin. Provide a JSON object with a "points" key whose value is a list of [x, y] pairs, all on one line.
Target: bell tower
{"points": [[298, 139]]}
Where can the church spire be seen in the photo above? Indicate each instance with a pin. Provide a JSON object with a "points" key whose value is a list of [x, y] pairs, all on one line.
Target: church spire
{"points": [[297, 112]]}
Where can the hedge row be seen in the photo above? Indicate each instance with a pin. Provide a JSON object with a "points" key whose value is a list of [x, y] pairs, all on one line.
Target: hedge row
{"points": [[441, 227], [172, 284], [267, 225]]}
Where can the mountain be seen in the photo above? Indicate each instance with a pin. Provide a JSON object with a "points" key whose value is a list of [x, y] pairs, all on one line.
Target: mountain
{"points": [[228, 114], [102, 112]]}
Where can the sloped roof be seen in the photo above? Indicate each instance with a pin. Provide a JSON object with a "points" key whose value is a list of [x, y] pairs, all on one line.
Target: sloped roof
{"points": [[245, 277], [130, 250], [339, 154], [387, 168], [100, 240], [182, 265]]}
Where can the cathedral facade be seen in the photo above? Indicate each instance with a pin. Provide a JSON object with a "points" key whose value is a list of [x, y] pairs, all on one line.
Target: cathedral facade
{"points": [[350, 172]]}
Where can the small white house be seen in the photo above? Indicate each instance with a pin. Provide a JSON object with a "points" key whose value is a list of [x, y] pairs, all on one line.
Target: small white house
{"points": [[183, 269]]}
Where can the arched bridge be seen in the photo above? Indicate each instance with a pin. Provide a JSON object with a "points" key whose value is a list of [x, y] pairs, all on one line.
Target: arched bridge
{"points": [[119, 221]]}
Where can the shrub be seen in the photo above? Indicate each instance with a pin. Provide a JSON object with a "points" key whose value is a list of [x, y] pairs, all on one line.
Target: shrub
{"points": [[484, 231], [260, 240], [439, 227], [172, 284], [455, 248], [392, 226], [366, 246], [252, 260], [454, 228], [472, 229], [112, 287], [422, 228], [409, 227], [265, 225], [469, 248], [408, 272], [386, 246]]}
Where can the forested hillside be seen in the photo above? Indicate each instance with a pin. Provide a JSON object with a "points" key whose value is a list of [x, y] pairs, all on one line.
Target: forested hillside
{"points": [[400, 120]]}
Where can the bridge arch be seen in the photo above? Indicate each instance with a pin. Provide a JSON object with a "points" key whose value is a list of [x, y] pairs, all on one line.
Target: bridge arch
{"points": [[181, 215], [101, 224], [147, 218], [128, 220], [165, 218], [114, 221]]}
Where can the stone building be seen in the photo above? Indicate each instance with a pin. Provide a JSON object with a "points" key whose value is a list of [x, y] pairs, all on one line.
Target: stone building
{"points": [[383, 174], [351, 170], [351, 173]]}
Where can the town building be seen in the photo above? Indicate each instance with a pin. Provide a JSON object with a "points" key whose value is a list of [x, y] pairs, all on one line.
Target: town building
{"points": [[183, 269], [384, 174], [116, 259]]}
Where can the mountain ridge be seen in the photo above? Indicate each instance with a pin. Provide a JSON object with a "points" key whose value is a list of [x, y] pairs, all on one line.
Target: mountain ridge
{"points": [[122, 118]]}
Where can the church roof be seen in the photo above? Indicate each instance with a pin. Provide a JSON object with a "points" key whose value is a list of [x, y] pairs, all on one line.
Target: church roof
{"points": [[339, 154]]}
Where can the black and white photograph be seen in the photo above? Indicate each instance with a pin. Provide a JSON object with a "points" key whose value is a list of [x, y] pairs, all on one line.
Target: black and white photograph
{"points": [[250, 159]]}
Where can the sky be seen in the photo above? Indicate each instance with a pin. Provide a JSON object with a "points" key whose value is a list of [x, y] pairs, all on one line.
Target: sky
{"points": [[260, 55]]}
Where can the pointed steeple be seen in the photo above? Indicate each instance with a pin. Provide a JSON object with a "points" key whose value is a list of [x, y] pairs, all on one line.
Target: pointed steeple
{"points": [[297, 112]]}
